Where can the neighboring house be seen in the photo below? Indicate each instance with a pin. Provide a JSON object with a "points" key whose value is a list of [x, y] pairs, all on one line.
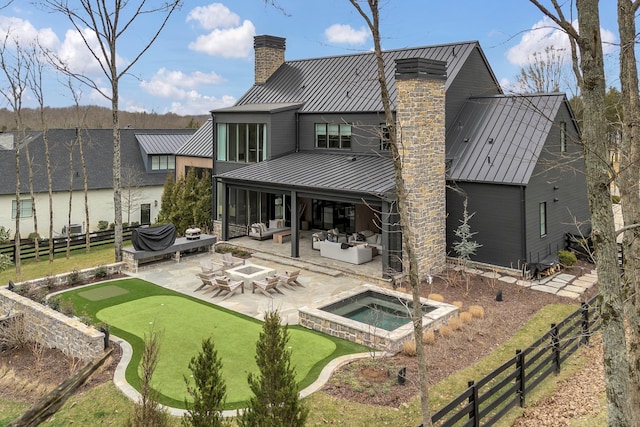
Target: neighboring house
{"points": [[147, 156], [307, 143]]}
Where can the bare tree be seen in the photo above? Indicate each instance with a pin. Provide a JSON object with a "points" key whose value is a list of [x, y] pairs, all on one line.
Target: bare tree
{"points": [[14, 67], [589, 72], [109, 22], [629, 191], [132, 192], [372, 18], [36, 86], [543, 73], [70, 147]]}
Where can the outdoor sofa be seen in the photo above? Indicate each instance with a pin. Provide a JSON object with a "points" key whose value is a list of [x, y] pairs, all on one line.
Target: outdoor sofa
{"points": [[358, 254], [260, 230]]}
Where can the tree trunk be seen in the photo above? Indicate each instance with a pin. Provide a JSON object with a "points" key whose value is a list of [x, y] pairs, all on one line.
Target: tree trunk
{"points": [[117, 190], [70, 199], [16, 238], [596, 156], [34, 212], [85, 181], [629, 191]]}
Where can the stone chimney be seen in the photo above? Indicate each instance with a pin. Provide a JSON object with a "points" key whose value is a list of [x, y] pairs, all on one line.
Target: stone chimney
{"points": [[420, 127], [269, 55]]}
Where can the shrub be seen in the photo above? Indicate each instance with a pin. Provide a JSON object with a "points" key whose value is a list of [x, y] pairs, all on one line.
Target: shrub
{"points": [[455, 323], [458, 304], [567, 258], [33, 236], [49, 282], [445, 331], [436, 297], [13, 333], [73, 276], [100, 272], [428, 337], [409, 348], [466, 317], [103, 225], [5, 234], [54, 303], [615, 198], [5, 262], [476, 311]]}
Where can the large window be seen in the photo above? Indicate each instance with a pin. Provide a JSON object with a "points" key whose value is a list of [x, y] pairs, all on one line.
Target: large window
{"points": [[543, 219], [563, 137], [333, 135], [163, 162], [242, 142], [26, 208]]}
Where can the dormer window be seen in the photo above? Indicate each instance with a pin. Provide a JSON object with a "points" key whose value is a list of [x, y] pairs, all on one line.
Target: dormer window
{"points": [[163, 162], [337, 136]]}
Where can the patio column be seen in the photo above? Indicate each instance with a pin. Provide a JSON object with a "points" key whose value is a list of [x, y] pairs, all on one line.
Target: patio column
{"points": [[225, 212], [295, 243]]}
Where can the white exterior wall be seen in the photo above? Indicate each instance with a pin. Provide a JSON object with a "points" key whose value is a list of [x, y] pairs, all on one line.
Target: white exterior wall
{"points": [[100, 209]]}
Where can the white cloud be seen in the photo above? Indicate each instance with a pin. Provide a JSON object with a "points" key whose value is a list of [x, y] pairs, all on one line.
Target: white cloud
{"points": [[215, 15], [23, 32], [172, 84], [234, 42], [340, 33], [545, 33], [74, 53], [196, 103]]}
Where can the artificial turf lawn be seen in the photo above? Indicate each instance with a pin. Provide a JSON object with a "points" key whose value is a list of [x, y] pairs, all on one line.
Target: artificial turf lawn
{"points": [[184, 322]]}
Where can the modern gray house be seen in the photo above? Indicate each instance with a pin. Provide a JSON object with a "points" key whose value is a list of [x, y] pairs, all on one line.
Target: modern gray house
{"points": [[307, 144]]}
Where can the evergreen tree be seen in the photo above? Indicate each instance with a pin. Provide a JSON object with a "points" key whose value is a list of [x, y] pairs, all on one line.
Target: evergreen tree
{"points": [[203, 215], [465, 247], [275, 401], [167, 201], [209, 390]]}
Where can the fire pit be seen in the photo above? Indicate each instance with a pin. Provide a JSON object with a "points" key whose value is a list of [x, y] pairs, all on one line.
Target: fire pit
{"points": [[249, 273]]}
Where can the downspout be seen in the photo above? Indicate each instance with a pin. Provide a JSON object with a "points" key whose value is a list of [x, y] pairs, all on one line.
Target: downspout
{"points": [[523, 224], [214, 198], [297, 132]]}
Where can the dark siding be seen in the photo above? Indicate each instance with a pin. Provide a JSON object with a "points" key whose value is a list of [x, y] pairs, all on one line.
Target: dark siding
{"points": [[365, 137], [474, 79], [497, 220], [559, 180], [281, 137]]}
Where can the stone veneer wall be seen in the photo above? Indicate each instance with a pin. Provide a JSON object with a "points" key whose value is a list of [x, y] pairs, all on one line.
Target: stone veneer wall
{"points": [[53, 329], [269, 55], [420, 121]]}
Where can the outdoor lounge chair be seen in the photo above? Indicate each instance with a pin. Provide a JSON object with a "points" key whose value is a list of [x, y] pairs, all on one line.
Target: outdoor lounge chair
{"points": [[266, 285], [290, 279], [208, 281], [227, 285], [208, 266], [229, 261]]}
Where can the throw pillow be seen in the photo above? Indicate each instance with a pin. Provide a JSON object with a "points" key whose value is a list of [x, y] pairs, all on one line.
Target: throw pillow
{"points": [[367, 233]]}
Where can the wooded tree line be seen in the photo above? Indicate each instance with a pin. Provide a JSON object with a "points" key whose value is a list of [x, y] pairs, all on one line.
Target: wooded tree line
{"points": [[96, 117]]}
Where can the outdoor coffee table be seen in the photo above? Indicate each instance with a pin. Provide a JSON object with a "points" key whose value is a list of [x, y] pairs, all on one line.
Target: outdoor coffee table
{"points": [[250, 272]]}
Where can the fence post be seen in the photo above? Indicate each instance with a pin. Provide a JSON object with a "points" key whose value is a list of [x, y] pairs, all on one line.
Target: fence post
{"points": [[555, 344], [473, 399], [586, 332], [522, 389]]}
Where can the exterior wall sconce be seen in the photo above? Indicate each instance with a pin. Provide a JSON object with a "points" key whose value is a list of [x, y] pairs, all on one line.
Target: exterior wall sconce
{"points": [[155, 203], [555, 199]]}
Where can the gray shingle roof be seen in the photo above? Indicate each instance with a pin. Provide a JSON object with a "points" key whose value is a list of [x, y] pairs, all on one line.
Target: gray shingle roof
{"points": [[161, 143], [367, 174], [517, 127], [98, 154], [348, 83]]}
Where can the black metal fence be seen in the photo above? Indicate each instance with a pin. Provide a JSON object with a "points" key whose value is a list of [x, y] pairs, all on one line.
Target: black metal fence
{"points": [[488, 400], [77, 241]]}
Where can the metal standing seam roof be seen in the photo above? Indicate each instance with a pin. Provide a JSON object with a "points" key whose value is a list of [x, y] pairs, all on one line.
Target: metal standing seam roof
{"points": [[348, 83], [199, 144], [498, 139], [161, 143], [311, 171]]}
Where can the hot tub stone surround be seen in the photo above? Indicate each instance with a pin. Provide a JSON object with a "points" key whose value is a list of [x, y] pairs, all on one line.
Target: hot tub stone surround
{"points": [[369, 335]]}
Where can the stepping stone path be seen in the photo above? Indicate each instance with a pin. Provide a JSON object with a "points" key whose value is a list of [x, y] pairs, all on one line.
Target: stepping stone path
{"points": [[564, 285]]}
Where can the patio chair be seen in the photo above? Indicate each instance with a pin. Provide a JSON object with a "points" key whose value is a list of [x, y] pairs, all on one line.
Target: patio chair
{"points": [[225, 284], [266, 285], [290, 279], [229, 261], [208, 266], [208, 281]]}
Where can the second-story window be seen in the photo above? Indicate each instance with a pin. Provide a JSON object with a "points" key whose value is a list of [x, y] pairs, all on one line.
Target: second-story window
{"points": [[163, 162], [242, 142], [330, 135]]}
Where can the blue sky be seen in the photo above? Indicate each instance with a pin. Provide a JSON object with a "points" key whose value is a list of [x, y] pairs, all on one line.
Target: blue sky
{"points": [[204, 58]]}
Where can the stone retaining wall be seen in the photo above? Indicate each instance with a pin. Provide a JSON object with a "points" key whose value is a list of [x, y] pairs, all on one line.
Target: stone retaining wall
{"points": [[51, 328]]}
